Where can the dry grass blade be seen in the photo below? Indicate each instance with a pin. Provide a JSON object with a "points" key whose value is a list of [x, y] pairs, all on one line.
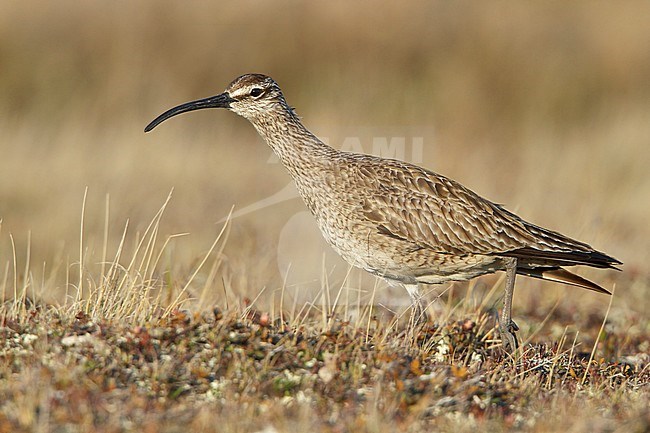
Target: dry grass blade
{"points": [[597, 339], [177, 301]]}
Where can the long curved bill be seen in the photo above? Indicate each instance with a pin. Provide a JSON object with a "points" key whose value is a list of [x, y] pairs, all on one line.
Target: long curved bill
{"points": [[220, 101]]}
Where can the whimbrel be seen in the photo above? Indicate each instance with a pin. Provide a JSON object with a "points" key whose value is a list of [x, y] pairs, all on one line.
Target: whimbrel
{"points": [[399, 221]]}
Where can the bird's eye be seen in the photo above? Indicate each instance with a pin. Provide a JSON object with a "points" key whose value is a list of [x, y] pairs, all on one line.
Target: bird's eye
{"points": [[255, 92]]}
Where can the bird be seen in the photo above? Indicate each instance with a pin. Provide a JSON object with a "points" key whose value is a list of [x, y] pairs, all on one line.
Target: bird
{"points": [[398, 221]]}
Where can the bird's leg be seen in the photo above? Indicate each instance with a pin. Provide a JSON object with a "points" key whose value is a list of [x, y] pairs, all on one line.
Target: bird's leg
{"points": [[419, 313], [507, 327]]}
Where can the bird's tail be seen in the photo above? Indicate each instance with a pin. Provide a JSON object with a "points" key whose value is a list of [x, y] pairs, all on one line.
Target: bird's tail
{"points": [[561, 275]]}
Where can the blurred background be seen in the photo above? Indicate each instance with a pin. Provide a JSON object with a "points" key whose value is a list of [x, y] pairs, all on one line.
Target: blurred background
{"points": [[543, 107]]}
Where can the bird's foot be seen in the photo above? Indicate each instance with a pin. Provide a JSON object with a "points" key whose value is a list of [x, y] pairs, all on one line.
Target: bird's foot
{"points": [[508, 333]]}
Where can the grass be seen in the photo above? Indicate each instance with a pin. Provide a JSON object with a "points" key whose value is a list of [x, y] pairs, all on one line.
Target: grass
{"points": [[252, 374], [127, 308]]}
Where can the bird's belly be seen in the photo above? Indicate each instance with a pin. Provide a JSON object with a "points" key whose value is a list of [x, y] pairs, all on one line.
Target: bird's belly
{"points": [[429, 267], [357, 245], [394, 259]]}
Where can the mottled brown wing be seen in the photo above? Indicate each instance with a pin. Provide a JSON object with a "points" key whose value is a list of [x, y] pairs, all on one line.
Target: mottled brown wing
{"points": [[441, 215], [435, 212]]}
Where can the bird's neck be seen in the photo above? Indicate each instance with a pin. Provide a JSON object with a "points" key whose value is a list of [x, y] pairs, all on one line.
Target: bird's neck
{"points": [[297, 148]]}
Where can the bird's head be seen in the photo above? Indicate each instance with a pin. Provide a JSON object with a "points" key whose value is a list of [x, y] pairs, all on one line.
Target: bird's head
{"points": [[250, 95]]}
